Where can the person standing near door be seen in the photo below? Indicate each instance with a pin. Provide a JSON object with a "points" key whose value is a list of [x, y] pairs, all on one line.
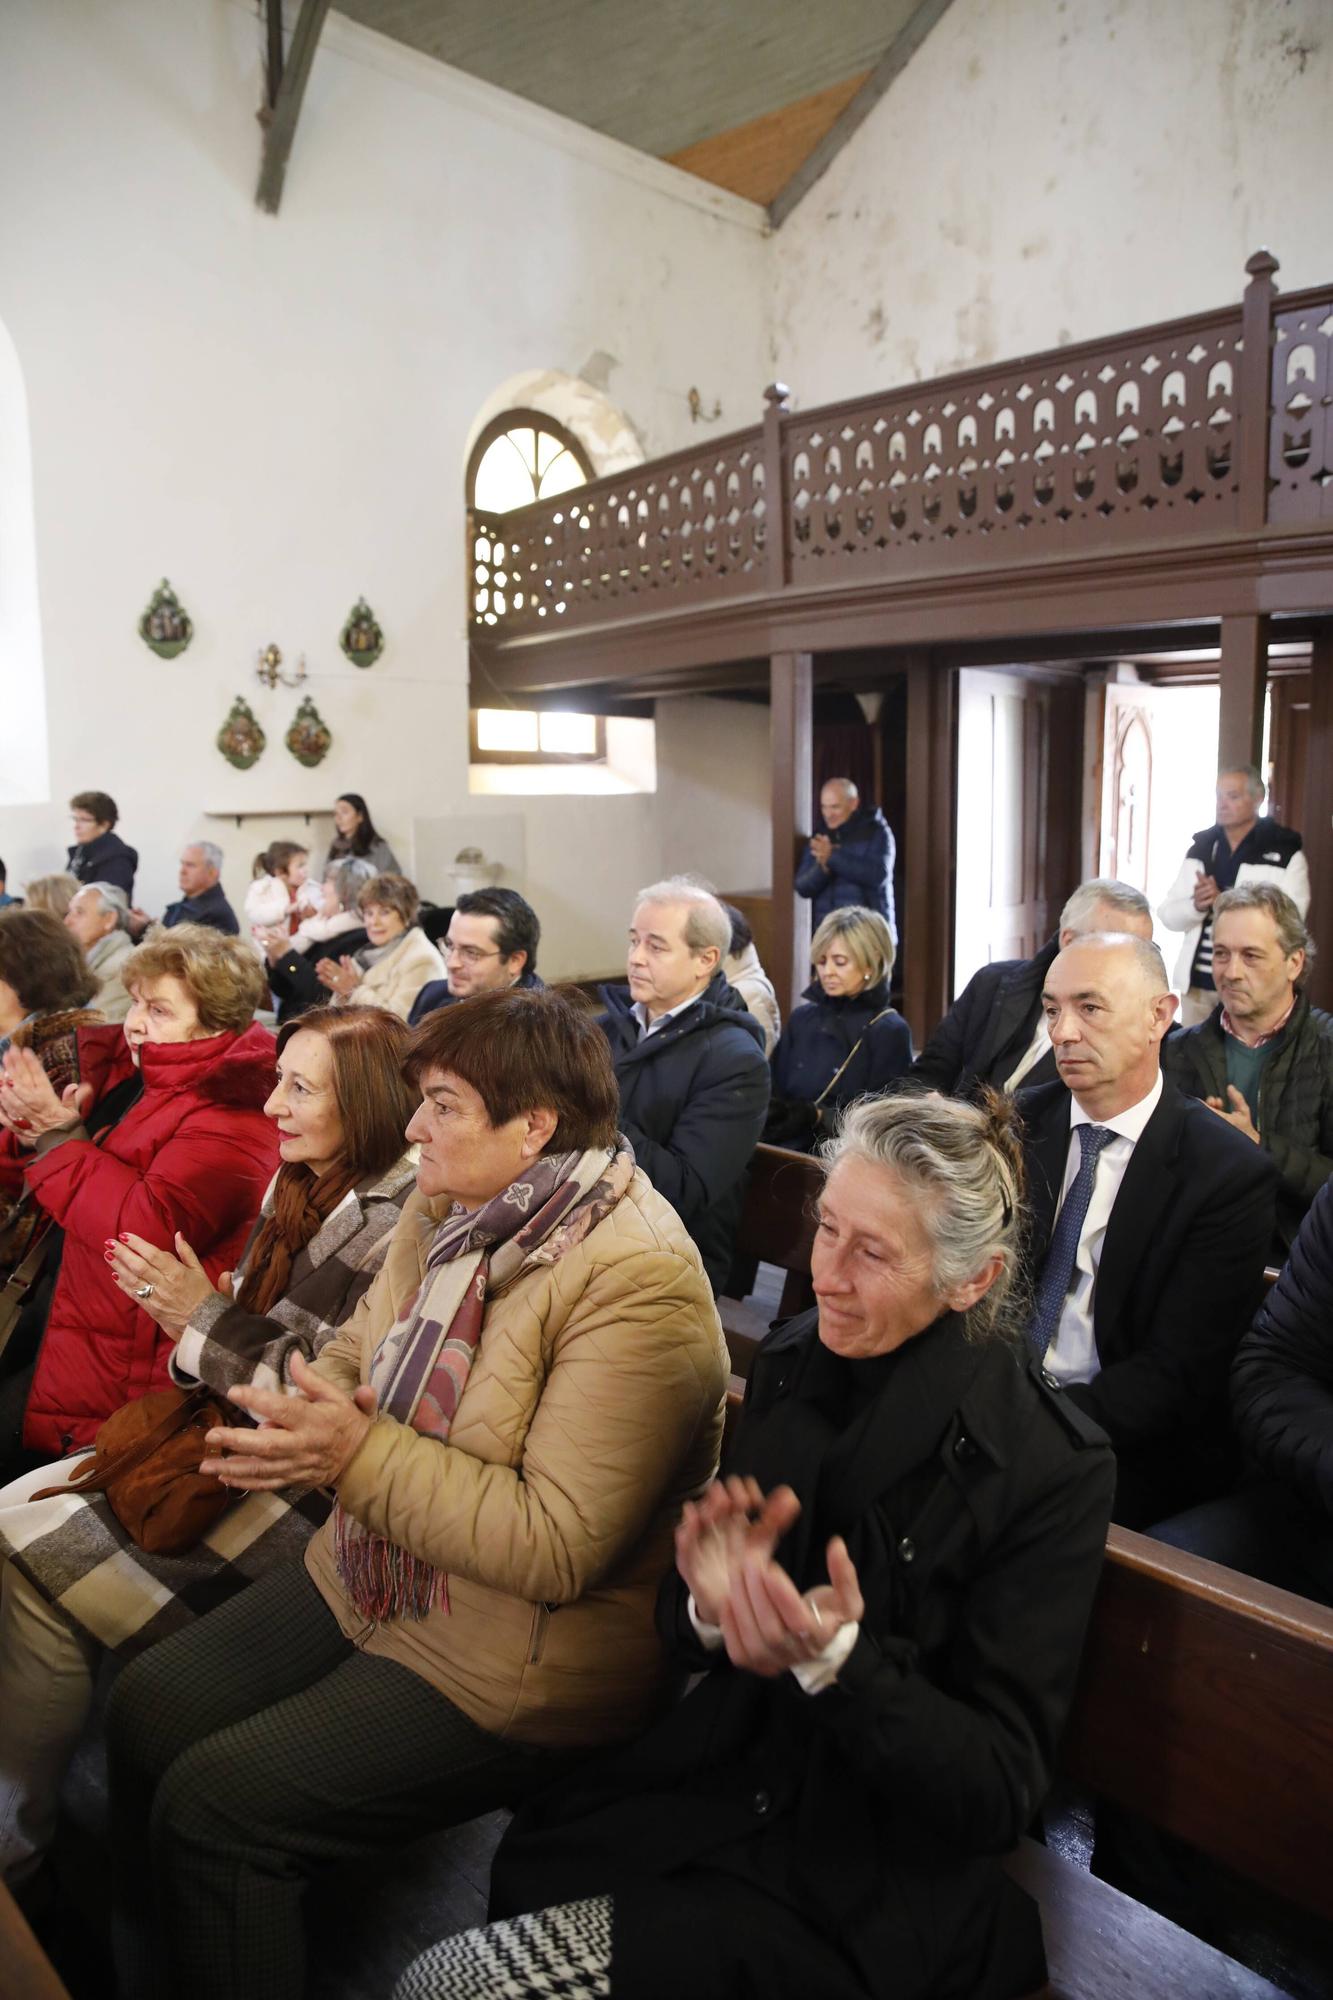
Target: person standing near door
{"points": [[851, 860], [1239, 848]]}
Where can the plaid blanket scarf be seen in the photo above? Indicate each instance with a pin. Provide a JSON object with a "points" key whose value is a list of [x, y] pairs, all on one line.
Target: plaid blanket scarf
{"points": [[73, 1549]]}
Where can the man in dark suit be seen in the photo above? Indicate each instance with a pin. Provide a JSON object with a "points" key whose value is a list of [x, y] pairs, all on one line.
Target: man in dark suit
{"points": [[995, 1032], [1150, 1222]]}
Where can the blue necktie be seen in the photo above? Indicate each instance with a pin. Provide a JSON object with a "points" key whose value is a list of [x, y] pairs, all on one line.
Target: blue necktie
{"points": [[1058, 1269]]}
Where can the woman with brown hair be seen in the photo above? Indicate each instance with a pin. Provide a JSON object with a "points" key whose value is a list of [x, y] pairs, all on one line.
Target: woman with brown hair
{"points": [[73, 1582], [45, 988], [509, 1425]]}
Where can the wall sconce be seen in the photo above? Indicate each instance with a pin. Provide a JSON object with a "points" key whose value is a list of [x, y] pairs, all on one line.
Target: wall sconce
{"points": [[698, 414], [269, 669]]}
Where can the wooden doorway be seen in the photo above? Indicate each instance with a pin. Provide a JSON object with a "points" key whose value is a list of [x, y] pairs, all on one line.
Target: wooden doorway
{"points": [[1020, 765]]}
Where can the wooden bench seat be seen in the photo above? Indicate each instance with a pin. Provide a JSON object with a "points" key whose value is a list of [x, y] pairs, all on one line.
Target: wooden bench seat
{"points": [[777, 1227]]}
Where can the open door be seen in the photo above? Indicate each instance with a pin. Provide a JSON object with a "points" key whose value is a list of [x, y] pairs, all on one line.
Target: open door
{"points": [[1020, 764]]}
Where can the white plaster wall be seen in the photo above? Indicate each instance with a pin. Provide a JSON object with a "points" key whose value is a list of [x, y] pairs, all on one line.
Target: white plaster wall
{"points": [[274, 412], [1048, 170], [714, 791]]}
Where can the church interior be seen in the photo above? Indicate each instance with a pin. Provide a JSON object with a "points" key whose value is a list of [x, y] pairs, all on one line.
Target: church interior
{"points": [[610, 445]]}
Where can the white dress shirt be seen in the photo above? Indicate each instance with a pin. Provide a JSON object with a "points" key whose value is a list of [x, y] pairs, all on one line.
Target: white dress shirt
{"points": [[1072, 1355], [647, 1027], [1032, 1055], [813, 1675]]}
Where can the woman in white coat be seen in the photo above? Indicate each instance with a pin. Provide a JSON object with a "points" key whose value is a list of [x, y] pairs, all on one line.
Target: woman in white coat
{"points": [[1240, 847], [397, 962]]}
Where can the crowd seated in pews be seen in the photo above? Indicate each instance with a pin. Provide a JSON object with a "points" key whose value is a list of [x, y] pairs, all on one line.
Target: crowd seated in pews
{"points": [[75, 1583], [484, 1615], [470, 1619]]}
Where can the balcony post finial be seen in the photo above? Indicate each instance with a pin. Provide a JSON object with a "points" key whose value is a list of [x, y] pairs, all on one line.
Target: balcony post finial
{"points": [[1262, 264], [778, 395]]}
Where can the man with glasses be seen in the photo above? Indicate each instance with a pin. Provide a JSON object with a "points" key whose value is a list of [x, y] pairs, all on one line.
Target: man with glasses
{"points": [[98, 853], [491, 945]]}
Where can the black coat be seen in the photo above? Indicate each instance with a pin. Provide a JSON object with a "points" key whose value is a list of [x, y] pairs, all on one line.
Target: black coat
{"points": [[859, 872], [831, 1052], [982, 1037], [1180, 1275], [1282, 1378], [210, 907], [435, 994], [1295, 1102], [294, 981], [762, 1840], [106, 859], [693, 1098]]}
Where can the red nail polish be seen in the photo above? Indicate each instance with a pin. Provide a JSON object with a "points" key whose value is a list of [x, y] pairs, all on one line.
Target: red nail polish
{"points": [[124, 1236]]}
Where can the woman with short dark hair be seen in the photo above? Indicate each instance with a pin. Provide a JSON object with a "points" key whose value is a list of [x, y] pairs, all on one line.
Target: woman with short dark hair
{"points": [[45, 983], [509, 1426]]}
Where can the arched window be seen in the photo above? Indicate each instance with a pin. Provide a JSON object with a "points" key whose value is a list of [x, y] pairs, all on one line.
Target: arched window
{"points": [[523, 456]]}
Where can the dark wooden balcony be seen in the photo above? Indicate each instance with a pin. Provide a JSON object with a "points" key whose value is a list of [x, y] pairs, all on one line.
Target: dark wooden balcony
{"points": [[1166, 488], [1175, 472]]}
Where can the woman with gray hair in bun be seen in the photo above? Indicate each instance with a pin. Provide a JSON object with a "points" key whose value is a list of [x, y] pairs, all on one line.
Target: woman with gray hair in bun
{"points": [[885, 1597]]}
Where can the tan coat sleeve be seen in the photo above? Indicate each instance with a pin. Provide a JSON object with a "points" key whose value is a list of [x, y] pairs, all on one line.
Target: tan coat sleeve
{"points": [[395, 982], [635, 1372]]}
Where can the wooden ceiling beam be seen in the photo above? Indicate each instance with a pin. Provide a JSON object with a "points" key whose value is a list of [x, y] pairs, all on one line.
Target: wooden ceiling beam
{"points": [[279, 116], [886, 71]]}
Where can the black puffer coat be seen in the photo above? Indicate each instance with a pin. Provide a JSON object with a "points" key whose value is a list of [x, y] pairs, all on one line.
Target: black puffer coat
{"points": [[830, 1052], [693, 1098], [1295, 1101], [1282, 1377]]}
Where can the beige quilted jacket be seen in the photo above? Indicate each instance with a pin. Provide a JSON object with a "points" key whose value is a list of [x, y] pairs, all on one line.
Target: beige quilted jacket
{"points": [[593, 1409]]}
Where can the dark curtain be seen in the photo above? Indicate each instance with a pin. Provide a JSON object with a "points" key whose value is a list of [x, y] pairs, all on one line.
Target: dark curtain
{"points": [[843, 750]]}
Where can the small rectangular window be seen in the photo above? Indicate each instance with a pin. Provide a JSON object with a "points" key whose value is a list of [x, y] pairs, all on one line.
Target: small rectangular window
{"points": [[532, 736]]}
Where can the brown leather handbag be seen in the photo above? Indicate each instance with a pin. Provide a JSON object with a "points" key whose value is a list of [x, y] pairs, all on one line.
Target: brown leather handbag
{"points": [[146, 1459]]}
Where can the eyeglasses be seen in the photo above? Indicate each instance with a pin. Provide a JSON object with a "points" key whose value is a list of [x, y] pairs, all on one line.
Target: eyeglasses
{"points": [[471, 954]]}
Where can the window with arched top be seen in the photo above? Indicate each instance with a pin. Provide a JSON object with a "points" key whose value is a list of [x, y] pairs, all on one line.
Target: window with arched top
{"points": [[523, 456]]}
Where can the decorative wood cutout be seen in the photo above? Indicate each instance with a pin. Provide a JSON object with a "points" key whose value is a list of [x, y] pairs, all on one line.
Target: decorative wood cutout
{"points": [[165, 627], [309, 739], [361, 638], [240, 739]]}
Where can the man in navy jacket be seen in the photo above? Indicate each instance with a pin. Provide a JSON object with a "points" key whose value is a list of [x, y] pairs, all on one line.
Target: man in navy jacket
{"points": [[851, 860], [689, 1058]]}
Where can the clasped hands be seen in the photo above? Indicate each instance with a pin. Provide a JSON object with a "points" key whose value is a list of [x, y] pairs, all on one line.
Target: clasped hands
{"points": [[304, 1440], [340, 977], [1205, 892], [29, 1107], [724, 1552], [821, 847]]}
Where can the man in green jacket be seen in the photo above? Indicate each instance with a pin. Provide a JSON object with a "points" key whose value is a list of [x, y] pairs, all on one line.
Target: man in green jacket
{"points": [[1263, 1059]]}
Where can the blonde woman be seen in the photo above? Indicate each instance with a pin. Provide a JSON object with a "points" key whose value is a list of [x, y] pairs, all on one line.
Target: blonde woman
{"points": [[52, 893], [846, 1040], [399, 959]]}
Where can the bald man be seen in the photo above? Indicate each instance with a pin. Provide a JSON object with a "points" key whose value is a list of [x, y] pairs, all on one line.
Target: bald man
{"points": [[850, 860], [1151, 1219]]}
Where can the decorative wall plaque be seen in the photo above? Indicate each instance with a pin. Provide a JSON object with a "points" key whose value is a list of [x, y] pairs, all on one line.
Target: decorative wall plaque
{"points": [[165, 625], [240, 739], [361, 638], [309, 737]]}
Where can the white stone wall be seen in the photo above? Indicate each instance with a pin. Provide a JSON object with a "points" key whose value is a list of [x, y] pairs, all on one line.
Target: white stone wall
{"points": [[276, 412], [1049, 170]]}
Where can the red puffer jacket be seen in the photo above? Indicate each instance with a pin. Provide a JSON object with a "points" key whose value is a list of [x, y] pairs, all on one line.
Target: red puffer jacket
{"points": [[195, 1153]]}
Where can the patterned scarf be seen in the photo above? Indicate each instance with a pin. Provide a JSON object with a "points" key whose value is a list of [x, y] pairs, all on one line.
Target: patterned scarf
{"points": [[420, 1368]]}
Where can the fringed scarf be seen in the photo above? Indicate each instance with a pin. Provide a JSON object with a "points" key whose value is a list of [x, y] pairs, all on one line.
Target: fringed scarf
{"points": [[420, 1368], [296, 1207]]}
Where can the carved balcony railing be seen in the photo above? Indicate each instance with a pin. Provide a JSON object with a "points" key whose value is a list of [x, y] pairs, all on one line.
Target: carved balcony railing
{"points": [[1214, 426]]}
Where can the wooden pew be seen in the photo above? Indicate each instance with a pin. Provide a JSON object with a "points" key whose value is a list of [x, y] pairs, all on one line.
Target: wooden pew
{"points": [[777, 1227], [1205, 1704]]}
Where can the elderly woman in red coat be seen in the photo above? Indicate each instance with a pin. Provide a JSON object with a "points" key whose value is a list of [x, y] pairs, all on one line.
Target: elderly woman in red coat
{"points": [[162, 1136]]}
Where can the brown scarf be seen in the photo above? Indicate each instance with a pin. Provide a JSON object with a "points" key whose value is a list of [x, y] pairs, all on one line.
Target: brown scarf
{"points": [[296, 1208]]}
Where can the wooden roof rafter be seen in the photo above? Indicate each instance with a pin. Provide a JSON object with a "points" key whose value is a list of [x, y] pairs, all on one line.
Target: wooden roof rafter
{"points": [[287, 79]]}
